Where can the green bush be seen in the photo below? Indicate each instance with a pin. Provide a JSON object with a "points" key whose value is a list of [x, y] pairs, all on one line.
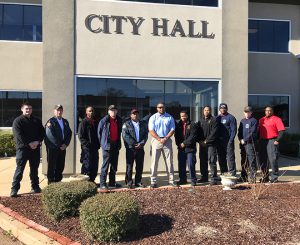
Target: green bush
{"points": [[63, 199], [7, 145], [289, 144], [109, 217]]}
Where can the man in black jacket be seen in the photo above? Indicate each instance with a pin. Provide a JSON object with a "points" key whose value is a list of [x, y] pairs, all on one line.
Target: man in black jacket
{"points": [[28, 133], [186, 138], [208, 128], [58, 137], [87, 133], [135, 136]]}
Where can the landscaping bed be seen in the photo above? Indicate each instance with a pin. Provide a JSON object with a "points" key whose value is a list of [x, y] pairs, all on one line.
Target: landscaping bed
{"points": [[203, 215]]}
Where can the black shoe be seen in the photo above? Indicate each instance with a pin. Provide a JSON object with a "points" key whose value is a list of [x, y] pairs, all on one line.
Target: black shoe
{"points": [[273, 180], [130, 186], [217, 178], [114, 185], [202, 180], [182, 182], [36, 190], [264, 180], [139, 185], [193, 184], [103, 187], [13, 193], [153, 185], [213, 183], [242, 179], [174, 184]]}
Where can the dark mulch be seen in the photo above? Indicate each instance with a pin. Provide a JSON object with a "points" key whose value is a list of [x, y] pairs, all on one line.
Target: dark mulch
{"points": [[206, 215]]}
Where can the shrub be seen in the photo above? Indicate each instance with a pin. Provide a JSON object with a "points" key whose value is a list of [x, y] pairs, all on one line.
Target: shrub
{"points": [[63, 199], [7, 145], [109, 217]]}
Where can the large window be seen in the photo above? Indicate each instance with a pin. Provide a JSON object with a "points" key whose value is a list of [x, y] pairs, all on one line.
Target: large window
{"points": [[144, 94], [269, 36], [20, 22], [10, 105], [280, 103], [207, 3]]}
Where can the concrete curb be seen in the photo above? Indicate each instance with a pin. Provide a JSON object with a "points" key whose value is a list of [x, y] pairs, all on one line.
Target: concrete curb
{"points": [[29, 232]]}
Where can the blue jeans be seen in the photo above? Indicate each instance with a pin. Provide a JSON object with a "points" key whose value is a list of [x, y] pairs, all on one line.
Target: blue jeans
{"points": [[90, 163], [22, 156], [187, 159]]}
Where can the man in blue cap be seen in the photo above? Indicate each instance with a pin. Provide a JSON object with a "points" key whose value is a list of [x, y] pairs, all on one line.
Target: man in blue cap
{"points": [[227, 132]]}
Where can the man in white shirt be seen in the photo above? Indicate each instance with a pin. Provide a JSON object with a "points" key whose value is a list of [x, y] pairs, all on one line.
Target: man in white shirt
{"points": [[58, 137], [135, 135]]}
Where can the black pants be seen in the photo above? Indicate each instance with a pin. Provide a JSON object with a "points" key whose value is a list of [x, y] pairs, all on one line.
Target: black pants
{"points": [[90, 163], [189, 159], [248, 161], [22, 156], [136, 155], [208, 155], [110, 158], [226, 155], [56, 164], [268, 155]]}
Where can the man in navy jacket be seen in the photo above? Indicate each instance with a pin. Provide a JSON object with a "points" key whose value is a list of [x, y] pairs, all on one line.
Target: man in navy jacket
{"points": [[109, 134], [247, 135], [227, 131]]}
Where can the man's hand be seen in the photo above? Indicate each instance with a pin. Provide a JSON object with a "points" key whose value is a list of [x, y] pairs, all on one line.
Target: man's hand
{"points": [[276, 142], [63, 147], [32, 145], [163, 140], [242, 142], [182, 145], [137, 146]]}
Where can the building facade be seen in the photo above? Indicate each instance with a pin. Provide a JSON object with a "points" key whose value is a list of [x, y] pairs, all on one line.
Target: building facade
{"points": [[134, 54]]}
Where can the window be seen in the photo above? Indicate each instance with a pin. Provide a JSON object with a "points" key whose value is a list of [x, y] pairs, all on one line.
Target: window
{"points": [[10, 104], [269, 36], [280, 103], [144, 94], [207, 3], [20, 22]]}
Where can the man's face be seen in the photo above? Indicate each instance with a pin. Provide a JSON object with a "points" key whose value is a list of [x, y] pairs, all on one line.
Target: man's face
{"points": [[161, 108], [113, 113], [206, 111], [134, 116], [268, 111], [183, 117], [223, 110], [26, 110], [58, 112], [247, 114], [89, 112]]}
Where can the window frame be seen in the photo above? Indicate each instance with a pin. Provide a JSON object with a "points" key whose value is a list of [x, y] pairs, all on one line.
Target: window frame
{"points": [[287, 95], [219, 81], [22, 4], [290, 36]]}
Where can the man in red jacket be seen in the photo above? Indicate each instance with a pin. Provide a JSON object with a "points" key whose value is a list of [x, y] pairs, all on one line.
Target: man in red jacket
{"points": [[271, 129]]}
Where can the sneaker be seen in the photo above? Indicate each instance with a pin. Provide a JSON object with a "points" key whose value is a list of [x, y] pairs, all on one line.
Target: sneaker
{"points": [[154, 185], [273, 180], [36, 190], [174, 184], [114, 185], [202, 180], [130, 186], [103, 187], [193, 184], [139, 185], [181, 182], [217, 178], [13, 193]]}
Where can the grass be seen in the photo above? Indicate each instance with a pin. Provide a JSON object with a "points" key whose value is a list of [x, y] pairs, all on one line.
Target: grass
{"points": [[5, 131]]}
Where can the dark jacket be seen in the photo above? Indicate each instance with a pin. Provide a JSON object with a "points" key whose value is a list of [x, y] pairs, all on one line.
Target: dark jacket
{"points": [[248, 130], [129, 136], [190, 138], [27, 130], [104, 134], [208, 130], [54, 138], [87, 134], [227, 126]]}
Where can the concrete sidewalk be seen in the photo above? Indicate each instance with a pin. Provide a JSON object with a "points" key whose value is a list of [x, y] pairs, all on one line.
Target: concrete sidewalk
{"points": [[289, 168]]}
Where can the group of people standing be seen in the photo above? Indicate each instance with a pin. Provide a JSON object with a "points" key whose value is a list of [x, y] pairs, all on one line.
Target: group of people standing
{"points": [[215, 136]]}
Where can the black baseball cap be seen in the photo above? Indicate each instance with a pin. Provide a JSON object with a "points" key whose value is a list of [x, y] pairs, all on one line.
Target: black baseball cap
{"points": [[134, 110], [223, 106], [56, 107], [112, 107]]}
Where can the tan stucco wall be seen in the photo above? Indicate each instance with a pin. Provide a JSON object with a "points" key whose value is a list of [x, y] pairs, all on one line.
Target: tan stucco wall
{"points": [[277, 73], [145, 55], [21, 66]]}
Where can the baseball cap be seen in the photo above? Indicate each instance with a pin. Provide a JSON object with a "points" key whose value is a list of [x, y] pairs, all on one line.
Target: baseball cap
{"points": [[223, 106], [248, 109], [112, 107], [56, 107], [134, 110]]}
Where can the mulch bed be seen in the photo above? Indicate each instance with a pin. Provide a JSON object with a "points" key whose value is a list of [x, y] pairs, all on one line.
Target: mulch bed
{"points": [[206, 215]]}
